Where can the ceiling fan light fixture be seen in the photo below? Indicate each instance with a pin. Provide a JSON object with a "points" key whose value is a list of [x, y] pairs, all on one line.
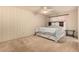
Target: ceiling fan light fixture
{"points": [[45, 11]]}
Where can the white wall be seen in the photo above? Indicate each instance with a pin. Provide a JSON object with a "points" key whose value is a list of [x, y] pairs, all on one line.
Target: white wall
{"points": [[71, 19], [78, 22], [16, 22]]}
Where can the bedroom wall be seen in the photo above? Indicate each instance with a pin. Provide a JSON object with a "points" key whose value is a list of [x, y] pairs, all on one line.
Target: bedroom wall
{"points": [[78, 23], [71, 20], [16, 22], [74, 21]]}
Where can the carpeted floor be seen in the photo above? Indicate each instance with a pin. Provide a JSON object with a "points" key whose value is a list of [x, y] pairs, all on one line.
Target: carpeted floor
{"points": [[39, 44]]}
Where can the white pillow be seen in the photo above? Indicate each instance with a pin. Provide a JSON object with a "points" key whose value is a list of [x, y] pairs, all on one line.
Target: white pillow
{"points": [[55, 24]]}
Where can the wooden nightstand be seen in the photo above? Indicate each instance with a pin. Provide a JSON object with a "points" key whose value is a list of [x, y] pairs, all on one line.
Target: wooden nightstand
{"points": [[70, 33]]}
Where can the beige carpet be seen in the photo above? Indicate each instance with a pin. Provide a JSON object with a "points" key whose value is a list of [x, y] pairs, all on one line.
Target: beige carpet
{"points": [[39, 44]]}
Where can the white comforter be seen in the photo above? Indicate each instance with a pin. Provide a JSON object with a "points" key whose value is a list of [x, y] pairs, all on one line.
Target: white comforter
{"points": [[57, 32]]}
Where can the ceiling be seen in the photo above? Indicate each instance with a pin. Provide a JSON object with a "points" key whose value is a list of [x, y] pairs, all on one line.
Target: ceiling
{"points": [[55, 9]]}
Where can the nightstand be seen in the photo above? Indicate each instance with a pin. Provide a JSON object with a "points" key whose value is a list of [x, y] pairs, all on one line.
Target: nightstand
{"points": [[70, 33]]}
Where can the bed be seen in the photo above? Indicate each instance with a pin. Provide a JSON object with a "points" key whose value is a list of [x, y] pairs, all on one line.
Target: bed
{"points": [[51, 32]]}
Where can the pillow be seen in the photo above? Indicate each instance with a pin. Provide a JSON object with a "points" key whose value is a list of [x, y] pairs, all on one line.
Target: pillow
{"points": [[55, 24]]}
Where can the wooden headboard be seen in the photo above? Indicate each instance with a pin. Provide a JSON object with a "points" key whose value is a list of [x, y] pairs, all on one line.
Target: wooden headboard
{"points": [[61, 23]]}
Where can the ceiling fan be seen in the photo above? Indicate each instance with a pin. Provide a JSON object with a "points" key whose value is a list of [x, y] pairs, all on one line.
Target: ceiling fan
{"points": [[44, 10]]}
